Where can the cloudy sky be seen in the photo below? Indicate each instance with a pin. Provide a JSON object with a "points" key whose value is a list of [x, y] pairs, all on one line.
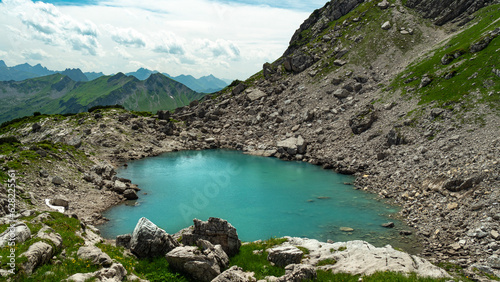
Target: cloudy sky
{"points": [[228, 38]]}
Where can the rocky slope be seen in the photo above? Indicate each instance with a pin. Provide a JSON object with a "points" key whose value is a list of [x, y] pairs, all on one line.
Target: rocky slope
{"points": [[414, 116]]}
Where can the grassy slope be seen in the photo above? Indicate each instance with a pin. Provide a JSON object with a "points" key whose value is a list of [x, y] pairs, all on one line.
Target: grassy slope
{"points": [[473, 78], [38, 95]]}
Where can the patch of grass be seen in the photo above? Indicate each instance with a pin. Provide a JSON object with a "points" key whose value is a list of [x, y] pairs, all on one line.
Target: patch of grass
{"points": [[304, 250], [257, 262], [151, 269], [468, 78], [324, 275], [326, 262]]}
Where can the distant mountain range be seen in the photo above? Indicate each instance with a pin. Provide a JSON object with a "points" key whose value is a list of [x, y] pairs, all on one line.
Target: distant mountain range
{"points": [[59, 93], [205, 84]]}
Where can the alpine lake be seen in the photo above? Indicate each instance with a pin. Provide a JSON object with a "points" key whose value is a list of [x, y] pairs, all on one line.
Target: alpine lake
{"points": [[261, 197]]}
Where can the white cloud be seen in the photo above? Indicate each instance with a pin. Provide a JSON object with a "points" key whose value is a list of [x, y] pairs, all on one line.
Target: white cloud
{"points": [[46, 23], [196, 37], [127, 36], [37, 54]]}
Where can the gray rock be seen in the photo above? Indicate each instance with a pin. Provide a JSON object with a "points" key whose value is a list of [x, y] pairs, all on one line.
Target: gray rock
{"points": [[341, 93], [75, 142], [298, 273], [386, 25], [120, 187], [21, 231], [115, 273], [235, 274], [57, 180], [61, 201], [363, 120], [395, 138], [481, 44], [202, 265], [217, 231], [388, 225], [49, 234], [256, 94], [293, 145], [336, 81], [284, 255], [239, 88], [37, 254], [494, 261], [130, 194], [123, 240], [44, 173], [95, 255], [163, 115], [148, 240], [444, 11], [384, 4], [298, 62], [425, 81]]}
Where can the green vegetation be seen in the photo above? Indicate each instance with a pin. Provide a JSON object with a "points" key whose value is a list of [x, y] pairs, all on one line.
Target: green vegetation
{"points": [[257, 261], [65, 265], [304, 250], [100, 107], [326, 262], [154, 270], [465, 78]]}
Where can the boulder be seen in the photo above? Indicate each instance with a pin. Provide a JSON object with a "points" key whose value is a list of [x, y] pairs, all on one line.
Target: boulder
{"points": [[298, 62], [341, 93], [235, 274], [36, 127], [130, 194], [395, 138], [481, 44], [148, 240], [123, 240], [37, 254], [163, 115], [388, 225], [298, 273], [116, 272], [20, 232], [57, 180], [256, 94], [383, 5], [284, 255], [49, 234], [95, 255], [120, 187], [494, 261], [293, 145], [202, 265], [217, 231], [239, 88], [363, 120], [60, 201], [363, 258], [386, 25]]}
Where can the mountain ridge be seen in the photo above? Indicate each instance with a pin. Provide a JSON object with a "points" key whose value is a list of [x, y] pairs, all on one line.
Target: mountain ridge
{"points": [[58, 94]]}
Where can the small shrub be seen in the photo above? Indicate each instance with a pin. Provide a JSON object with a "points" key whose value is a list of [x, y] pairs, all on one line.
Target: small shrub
{"points": [[9, 140], [35, 114]]}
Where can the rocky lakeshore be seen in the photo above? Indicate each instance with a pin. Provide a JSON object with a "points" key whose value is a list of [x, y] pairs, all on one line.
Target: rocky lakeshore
{"points": [[321, 103]]}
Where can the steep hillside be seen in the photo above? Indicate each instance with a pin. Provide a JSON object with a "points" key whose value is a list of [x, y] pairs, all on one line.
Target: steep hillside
{"points": [[58, 94]]}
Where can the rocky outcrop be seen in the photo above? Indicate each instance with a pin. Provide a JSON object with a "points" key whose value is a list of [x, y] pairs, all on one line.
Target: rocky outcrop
{"points": [[148, 240], [115, 273], [95, 255], [363, 121], [235, 274], [217, 231], [283, 256], [298, 273], [203, 263], [19, 233], [446, 11], [292, 146], [37, 254]]}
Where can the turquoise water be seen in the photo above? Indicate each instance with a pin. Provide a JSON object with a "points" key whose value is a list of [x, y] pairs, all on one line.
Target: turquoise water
{"points": [[261, 197]]}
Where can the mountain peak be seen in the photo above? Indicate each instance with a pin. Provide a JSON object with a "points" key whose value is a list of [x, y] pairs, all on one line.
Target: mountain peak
{"points": [[2, 64]]}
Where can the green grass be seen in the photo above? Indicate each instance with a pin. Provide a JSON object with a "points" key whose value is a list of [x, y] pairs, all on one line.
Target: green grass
{"points": [[67, 266], [304, 250], [460, 87], [154, 270], [326, 262], [258, 263]]}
